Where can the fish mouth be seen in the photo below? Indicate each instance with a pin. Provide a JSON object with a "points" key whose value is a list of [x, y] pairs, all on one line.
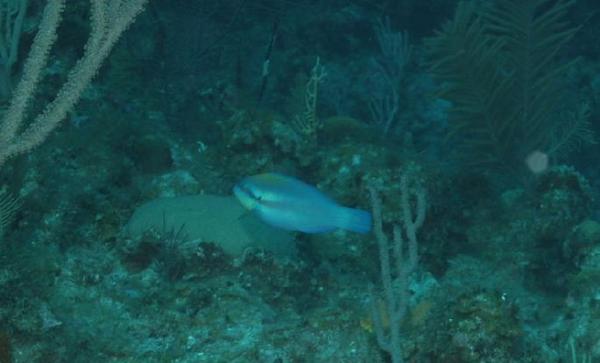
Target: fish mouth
{"points": [[238, 192], [244, 196]]}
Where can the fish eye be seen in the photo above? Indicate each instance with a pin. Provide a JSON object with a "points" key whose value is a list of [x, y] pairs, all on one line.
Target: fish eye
{"points": [[250, 191], [254, 195]]}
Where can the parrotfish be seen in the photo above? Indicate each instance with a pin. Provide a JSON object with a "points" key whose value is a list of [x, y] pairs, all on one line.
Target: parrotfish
{"points": [[291, 204]]}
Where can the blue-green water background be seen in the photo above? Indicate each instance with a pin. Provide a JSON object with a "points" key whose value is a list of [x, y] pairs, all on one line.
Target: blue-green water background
{"points": [[509, 259]]}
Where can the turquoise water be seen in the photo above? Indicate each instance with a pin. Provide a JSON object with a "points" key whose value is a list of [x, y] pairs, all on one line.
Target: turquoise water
{"points": [[467, 129]]}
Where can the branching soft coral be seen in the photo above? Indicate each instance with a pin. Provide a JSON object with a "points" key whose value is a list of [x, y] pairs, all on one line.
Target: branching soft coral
{"points": [[499, 66]]}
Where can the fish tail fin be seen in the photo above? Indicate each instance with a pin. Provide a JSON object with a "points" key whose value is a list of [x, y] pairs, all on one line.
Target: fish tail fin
{"points": [[355, 220]]}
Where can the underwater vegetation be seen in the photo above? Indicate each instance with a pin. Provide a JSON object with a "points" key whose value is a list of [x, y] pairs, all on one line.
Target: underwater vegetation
{"points": [[184, 180], [502, 69]]}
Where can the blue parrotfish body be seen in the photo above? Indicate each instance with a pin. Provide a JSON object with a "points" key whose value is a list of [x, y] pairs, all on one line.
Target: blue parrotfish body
{"points": [[291, 204]]}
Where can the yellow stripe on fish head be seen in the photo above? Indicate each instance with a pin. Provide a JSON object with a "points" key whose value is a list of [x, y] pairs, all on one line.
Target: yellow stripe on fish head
{"points": [[267, 180], [245, 197], [254, 191]]}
